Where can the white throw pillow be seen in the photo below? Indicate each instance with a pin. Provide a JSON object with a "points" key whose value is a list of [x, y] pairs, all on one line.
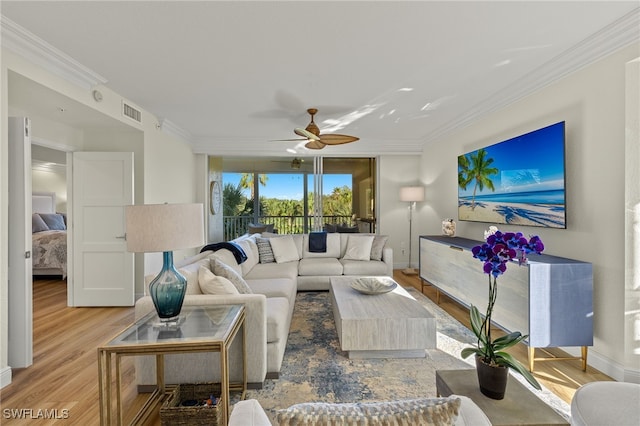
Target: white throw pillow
{"points": [[284, 249], [213, 284], [358, 247]]}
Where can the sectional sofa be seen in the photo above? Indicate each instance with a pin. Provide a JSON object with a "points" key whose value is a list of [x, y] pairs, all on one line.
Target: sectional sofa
{"points": [[273, 269]]}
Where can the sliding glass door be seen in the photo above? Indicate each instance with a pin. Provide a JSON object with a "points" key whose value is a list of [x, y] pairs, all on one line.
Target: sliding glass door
{"points": [[299, 195]]}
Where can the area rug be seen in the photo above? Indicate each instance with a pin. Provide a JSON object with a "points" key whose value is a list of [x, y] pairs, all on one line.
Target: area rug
{"points": [[314, 368]]}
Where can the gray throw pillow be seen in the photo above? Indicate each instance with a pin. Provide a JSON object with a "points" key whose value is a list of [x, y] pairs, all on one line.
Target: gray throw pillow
{"points": [[54, 221], [37, 224], [265, 252], [376, 248], [229, 273]]}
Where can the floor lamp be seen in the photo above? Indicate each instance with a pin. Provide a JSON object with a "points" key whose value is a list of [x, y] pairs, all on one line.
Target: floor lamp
{"points": [[411, 194]]}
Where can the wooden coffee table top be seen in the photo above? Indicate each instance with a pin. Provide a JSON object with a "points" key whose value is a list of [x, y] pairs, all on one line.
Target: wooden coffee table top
{"points": [[520, 406]]}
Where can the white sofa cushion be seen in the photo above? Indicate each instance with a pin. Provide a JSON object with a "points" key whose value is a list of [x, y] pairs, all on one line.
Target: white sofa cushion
{"points": [[359, 247], [274, 270], [274, 287], [284, 249], [232, 275], [320, 266], [213, 284], [333, 247], [358, 267]]}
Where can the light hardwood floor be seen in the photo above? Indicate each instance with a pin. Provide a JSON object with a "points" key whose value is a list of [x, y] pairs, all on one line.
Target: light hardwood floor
{"points": [[64, 373]]}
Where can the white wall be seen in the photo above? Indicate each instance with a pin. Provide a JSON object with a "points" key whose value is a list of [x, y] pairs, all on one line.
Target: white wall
{"points": [[54, 180], [168, 169], [393, 215], [632, 222], [592, 102]]}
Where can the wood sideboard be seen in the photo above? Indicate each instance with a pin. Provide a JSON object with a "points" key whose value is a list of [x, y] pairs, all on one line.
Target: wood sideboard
{"points": [[549, 298]]}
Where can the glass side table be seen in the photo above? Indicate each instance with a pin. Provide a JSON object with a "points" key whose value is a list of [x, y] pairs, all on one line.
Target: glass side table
{"points": [[199, 329]]}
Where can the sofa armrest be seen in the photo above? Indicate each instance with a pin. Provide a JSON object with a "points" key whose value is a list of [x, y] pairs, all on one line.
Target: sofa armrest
{"points": [[387, 258], [255, 323]]}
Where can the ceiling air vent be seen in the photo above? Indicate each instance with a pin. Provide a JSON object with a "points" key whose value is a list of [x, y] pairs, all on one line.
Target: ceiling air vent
{"points": [[131, 112]]}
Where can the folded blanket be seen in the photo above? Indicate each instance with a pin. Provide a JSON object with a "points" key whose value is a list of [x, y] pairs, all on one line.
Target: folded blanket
{"points": [[318, 242], [234, 248]]}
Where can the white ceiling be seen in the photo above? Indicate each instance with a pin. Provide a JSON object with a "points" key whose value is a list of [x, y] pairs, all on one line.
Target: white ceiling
{"points": [[235, 75]]}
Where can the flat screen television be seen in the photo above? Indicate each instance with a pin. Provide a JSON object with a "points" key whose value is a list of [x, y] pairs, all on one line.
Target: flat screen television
{"points": [[520, 181]]}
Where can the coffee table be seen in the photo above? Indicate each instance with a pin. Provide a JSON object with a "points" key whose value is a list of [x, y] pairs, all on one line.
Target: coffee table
{"points": [[200, 329], [520, 406], [389, 325]]}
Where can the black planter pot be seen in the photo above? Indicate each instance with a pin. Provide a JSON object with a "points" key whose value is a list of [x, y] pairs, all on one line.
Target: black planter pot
{"points": [[492, 379]]}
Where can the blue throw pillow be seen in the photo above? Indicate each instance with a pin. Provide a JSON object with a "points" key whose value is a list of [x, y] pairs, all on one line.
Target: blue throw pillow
{"points": [[54, 221]]}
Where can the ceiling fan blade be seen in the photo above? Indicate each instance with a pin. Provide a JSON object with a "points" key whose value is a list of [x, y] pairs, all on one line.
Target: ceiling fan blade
{"points": [[288, 140], [336, 139], [314, 145], [305, 134]]}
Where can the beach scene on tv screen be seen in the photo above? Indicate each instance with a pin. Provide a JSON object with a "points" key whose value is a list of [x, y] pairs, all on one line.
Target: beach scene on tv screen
{"points": [[520, 181]]}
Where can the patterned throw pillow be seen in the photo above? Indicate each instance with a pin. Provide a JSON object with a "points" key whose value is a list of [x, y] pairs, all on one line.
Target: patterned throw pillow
{"points": [[264, 250], [424, 411], [229, 273]]}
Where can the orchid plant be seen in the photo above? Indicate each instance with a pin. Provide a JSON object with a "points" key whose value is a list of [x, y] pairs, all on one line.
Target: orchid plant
{"points": [[498, 250]]}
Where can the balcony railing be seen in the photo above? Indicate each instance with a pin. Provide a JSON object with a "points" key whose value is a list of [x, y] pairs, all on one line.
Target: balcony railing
{"points": [[235, 226]]}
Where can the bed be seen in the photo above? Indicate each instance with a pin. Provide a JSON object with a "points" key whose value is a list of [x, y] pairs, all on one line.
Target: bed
{"points": [[49, 233]]}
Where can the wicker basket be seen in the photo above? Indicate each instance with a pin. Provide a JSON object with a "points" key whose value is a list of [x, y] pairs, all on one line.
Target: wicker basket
{"points": [[173, 413]]}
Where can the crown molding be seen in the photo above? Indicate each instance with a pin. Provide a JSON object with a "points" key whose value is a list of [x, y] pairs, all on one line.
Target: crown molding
{"points": [[615, 36], [170, 128], [33, 48]]}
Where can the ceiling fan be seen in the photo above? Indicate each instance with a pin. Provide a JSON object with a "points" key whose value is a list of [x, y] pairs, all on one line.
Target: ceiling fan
{"points": [[315, 140]]}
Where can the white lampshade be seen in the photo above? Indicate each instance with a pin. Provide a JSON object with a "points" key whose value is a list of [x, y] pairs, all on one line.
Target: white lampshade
{"points": [[412, 193], [164, 227]]}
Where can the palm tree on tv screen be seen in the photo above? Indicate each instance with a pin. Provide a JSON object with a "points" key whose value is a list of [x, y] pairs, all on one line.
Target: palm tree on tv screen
{"points": [[476, 168]]}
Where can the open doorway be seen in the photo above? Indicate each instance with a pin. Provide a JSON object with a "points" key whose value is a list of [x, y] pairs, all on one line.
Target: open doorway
{"points": [[50, 251]]}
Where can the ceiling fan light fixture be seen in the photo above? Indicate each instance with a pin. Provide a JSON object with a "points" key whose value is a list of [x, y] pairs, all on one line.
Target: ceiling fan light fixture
{"points": [[296, 163]]}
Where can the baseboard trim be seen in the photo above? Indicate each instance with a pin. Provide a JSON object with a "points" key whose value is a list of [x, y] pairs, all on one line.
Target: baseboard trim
{"points": [[5, 377], [606, 365]]}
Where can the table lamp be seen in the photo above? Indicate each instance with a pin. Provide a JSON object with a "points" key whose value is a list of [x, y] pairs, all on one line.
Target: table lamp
{"points": [[162, 228], [411, 194]]}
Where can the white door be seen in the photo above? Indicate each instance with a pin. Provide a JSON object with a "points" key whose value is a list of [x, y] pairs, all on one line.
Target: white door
{"points": [[20, 351], [103, 271]]}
